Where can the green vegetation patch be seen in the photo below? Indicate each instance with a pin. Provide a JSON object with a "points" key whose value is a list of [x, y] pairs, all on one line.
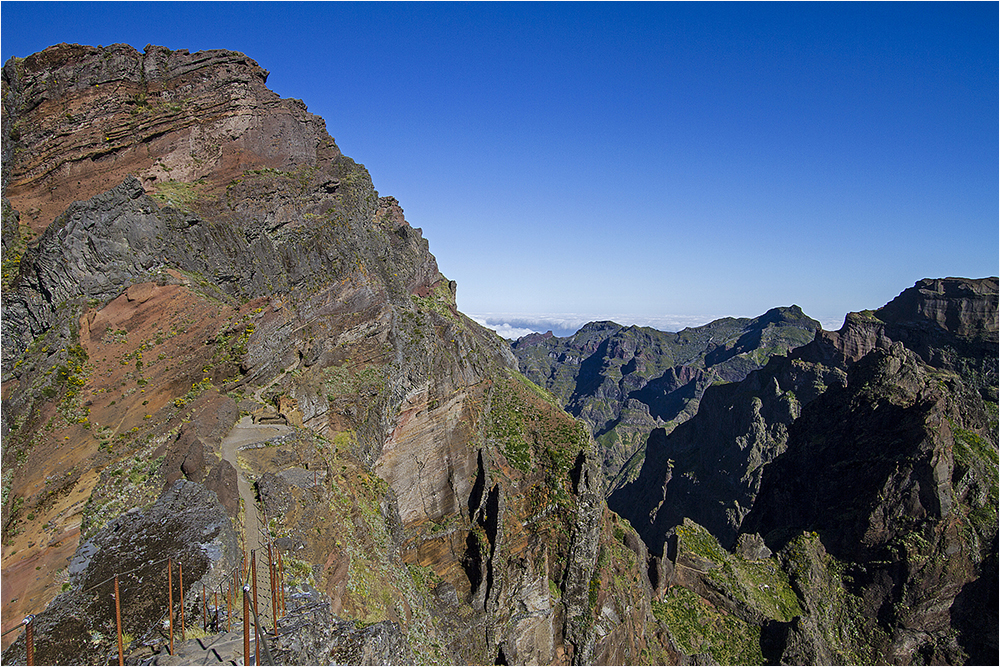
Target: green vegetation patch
{"points": [[132, 481], [424, 577], [975, 453], [348, 380], [760, 584], [180, 195], [379, 585], [298, 571], [970, 446], [440, 301], [12, 260], [532, 432], [841, 615], [698, 627]]}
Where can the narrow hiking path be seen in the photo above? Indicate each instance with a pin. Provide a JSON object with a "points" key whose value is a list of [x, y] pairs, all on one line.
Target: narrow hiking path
{"points": [[245, 432]]}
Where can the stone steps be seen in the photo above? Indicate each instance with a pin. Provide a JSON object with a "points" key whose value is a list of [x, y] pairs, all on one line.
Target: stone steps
{"points": [[225, 648]]}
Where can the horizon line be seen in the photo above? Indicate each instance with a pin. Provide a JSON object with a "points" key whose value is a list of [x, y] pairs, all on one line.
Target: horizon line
{"points": [[515, 325]]}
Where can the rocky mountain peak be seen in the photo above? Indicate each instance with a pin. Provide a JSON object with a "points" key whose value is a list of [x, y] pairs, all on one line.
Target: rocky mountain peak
{"points": [[962, 307], [951, 323], [80, 119], [200, 289]]}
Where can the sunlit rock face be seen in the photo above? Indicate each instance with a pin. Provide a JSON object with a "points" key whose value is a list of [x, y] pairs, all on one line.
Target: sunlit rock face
{"points": [[201, 290], [92, 116]]}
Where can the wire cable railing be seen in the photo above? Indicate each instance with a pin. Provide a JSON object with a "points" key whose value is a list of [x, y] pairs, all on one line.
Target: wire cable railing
{"points": [[238, 581]]}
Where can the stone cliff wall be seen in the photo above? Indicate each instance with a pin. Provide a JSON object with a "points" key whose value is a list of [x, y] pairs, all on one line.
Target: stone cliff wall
{"points": [[82, 118], [205, 255]]}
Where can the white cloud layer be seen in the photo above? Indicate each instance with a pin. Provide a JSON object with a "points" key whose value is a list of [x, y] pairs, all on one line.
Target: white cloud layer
{"points": [[515, 325]]}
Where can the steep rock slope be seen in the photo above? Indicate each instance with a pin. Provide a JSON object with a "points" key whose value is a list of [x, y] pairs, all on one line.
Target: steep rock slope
{"points": [[896, 474], [186, 522], [626, 381], [94, 115], [207, 264], [867, 460]]}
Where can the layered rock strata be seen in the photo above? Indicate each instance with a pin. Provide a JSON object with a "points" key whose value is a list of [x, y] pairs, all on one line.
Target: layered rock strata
{"points": [[207, 260]]}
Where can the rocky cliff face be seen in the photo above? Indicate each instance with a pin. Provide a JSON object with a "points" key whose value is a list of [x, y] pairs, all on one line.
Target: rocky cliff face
{"points": [[626, 381], [82, 119], [950, 323], [919, 522], [190, 263], [867, 461], [187, 523]]}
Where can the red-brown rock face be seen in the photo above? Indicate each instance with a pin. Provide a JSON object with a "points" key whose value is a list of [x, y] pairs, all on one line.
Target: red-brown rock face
{"points": [[83, 118], [210, 273]]}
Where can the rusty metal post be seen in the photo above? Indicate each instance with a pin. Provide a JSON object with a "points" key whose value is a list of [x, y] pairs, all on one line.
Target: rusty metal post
{"points": [[281, 583], [281, 587], [246, 624], [118, 620], [170, 601], [233, 587], [180, 575], [272, 573], [253, 569], [229, 607], [256, 608], [274, 597], [29, 638]]}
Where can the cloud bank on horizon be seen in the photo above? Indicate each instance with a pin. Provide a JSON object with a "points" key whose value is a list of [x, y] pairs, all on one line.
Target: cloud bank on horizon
{"points": [[513, 326]]}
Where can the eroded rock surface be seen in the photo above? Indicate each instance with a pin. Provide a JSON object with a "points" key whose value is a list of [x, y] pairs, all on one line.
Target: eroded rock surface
{"points": [[186, 524], [206, 256]]}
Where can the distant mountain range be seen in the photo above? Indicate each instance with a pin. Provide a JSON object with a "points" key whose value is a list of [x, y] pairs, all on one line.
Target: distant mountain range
{"points": [[868, 460], [625, 381]]}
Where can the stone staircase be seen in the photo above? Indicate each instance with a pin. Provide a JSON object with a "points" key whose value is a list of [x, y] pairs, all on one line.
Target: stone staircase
{"points": [[225, 648]]}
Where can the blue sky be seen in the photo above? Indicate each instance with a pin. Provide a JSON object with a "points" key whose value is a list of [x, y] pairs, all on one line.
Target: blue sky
{"points": [[662, 164]]}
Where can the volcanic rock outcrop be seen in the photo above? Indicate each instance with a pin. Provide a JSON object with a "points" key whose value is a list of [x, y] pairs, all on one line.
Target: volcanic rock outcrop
{"points": [[190, 262], [867, 461]]}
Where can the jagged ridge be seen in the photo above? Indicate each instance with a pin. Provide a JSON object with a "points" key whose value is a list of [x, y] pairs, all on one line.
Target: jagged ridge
{"points": [[856, 457], [625, 381]]}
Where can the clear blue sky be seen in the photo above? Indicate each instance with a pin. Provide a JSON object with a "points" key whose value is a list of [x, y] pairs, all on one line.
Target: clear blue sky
{"points": [[684, 161]]}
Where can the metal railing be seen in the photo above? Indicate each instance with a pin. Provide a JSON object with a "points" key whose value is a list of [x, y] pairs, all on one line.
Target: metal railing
{"points": [[240, 580]]}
